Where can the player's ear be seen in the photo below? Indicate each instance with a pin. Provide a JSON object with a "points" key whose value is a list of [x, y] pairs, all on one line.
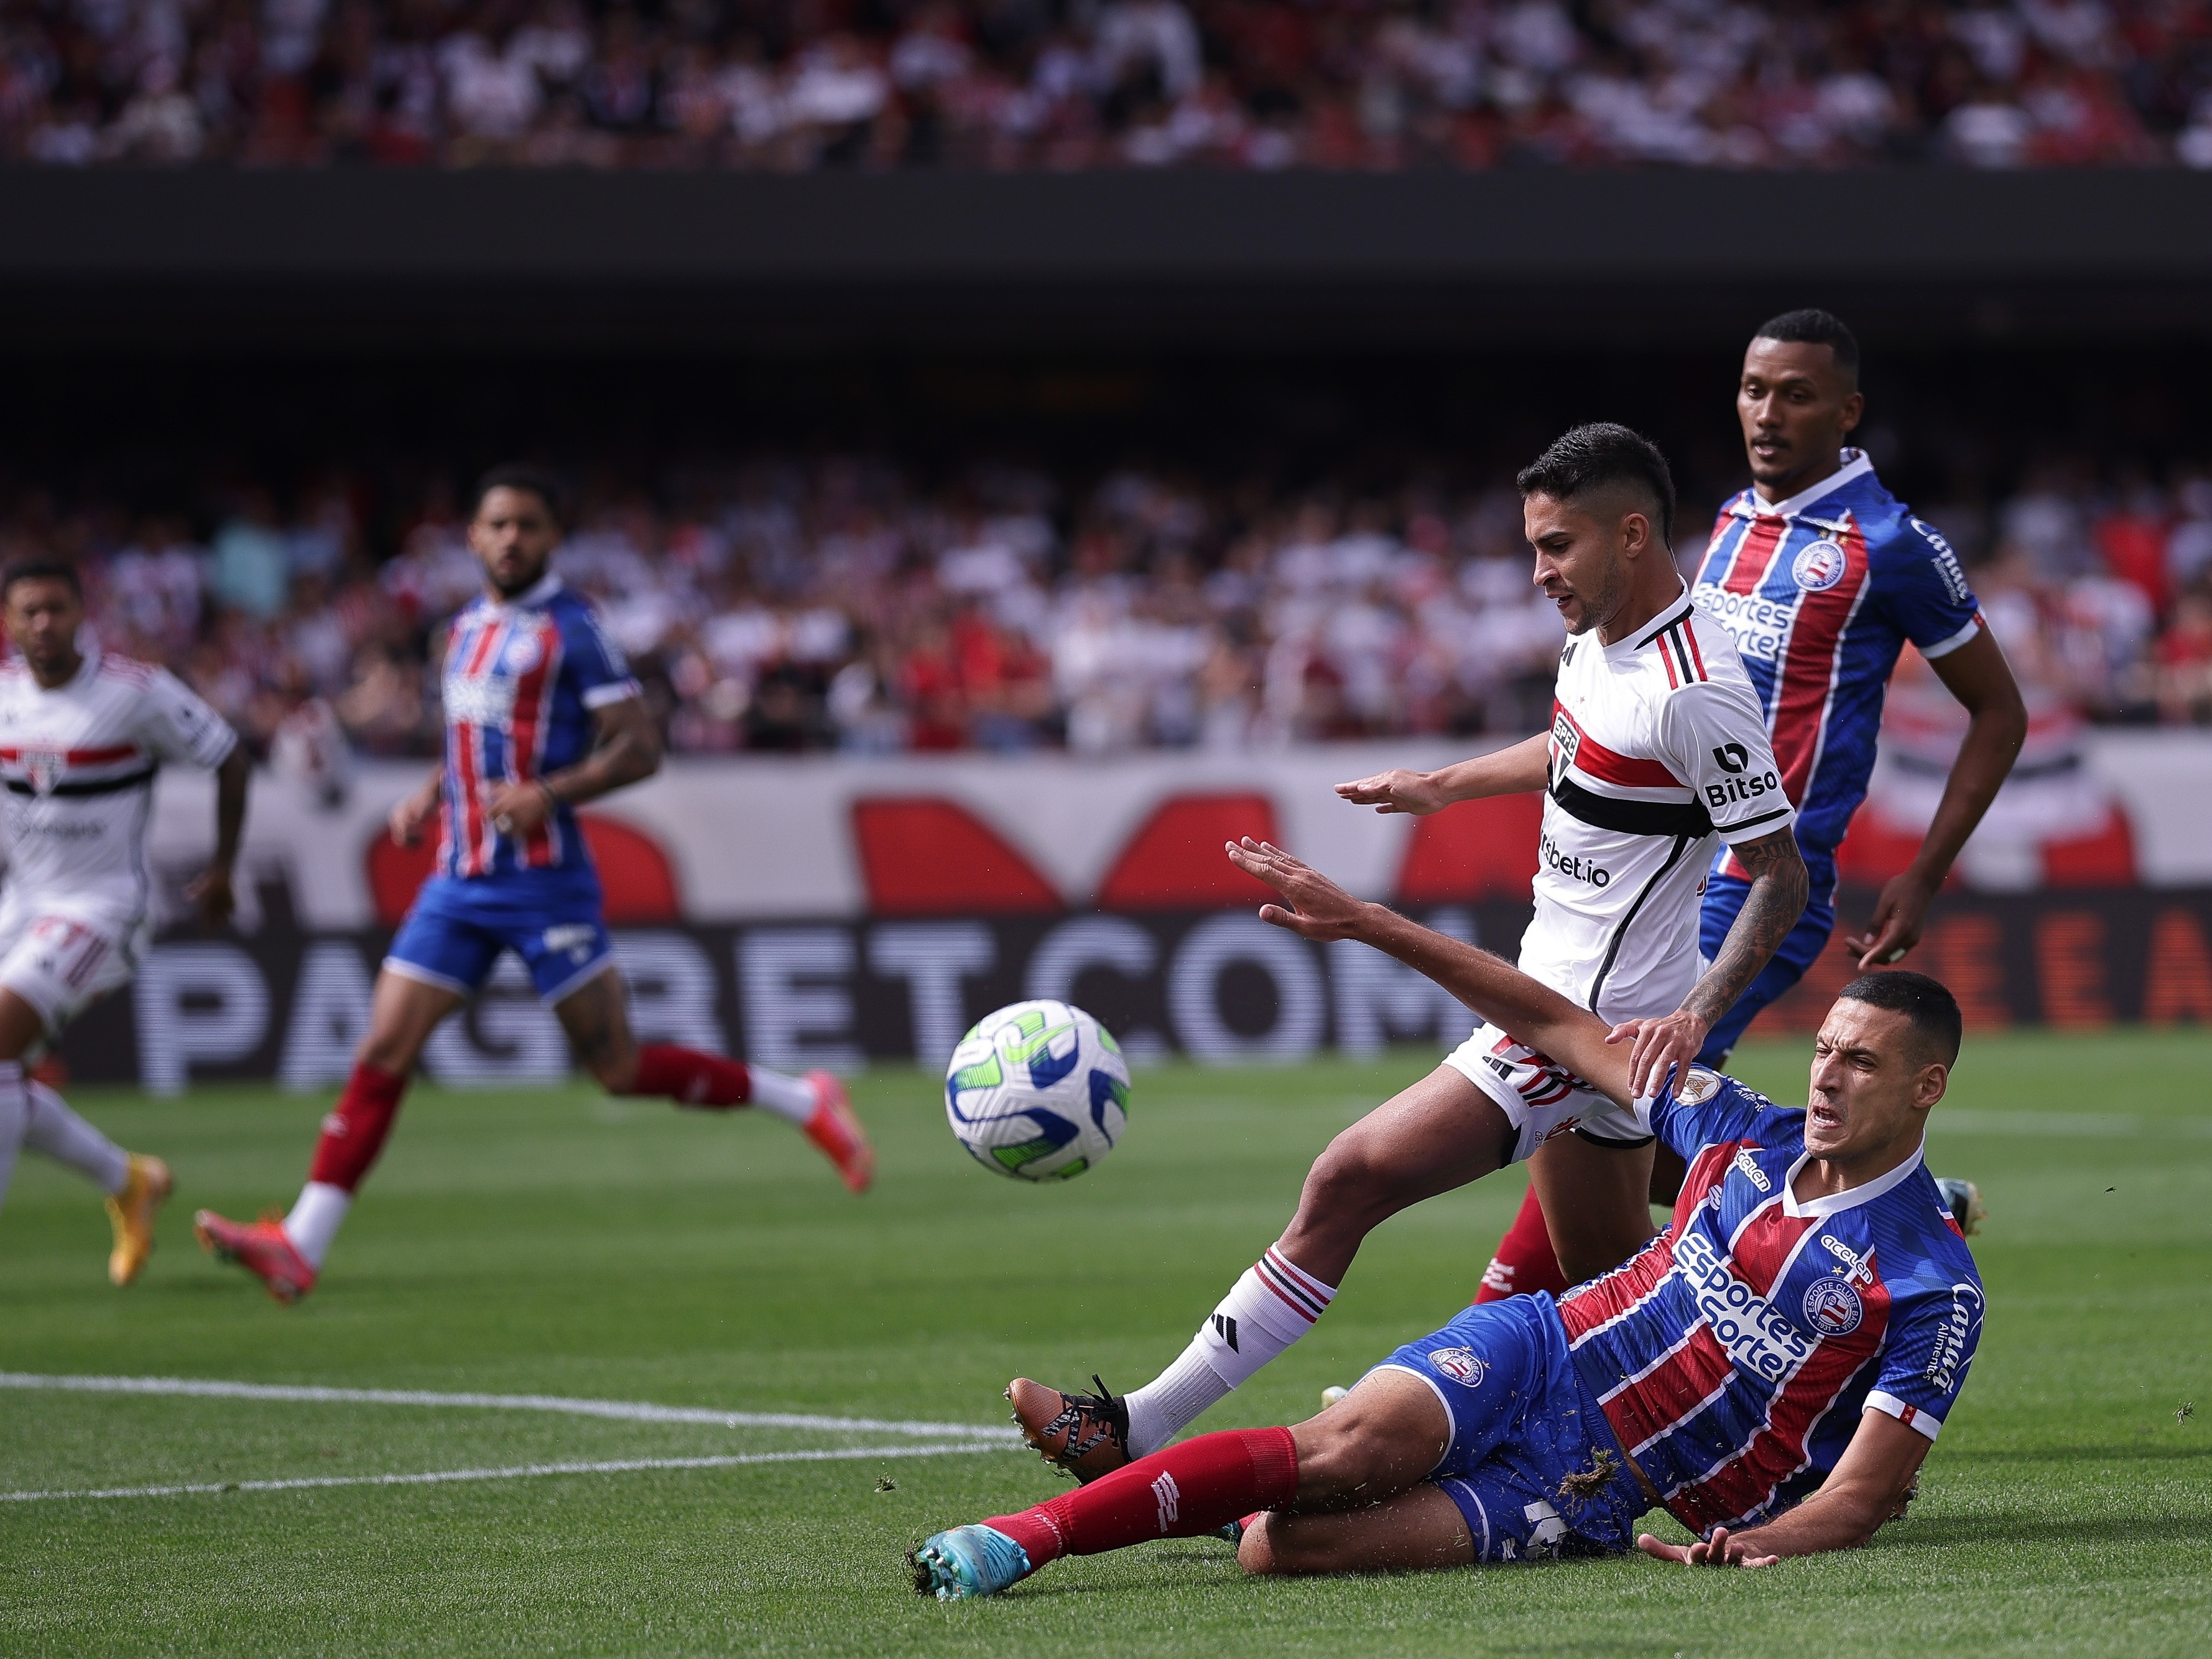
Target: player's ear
{"points": [[1854, 408], [1931, 1085]]}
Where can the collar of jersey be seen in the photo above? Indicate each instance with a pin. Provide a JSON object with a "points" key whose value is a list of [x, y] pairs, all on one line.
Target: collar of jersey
{"points": [[1677, 608], [1856, 464], [1831, 1204], [543, 589]]}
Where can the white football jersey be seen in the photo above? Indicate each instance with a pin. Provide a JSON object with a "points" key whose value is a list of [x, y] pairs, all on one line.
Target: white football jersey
{"points": [[77, 764], [1658, 744]]}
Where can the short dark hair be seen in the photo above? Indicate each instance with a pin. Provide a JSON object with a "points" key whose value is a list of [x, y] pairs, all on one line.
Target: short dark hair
{"points": [[1586, 458], [41, 569], [1812, 327], [520, 475], [1928, 1003]]}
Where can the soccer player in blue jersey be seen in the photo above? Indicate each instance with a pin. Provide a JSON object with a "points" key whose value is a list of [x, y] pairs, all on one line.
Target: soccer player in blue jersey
{"points": [[540, 714], [1772, 1369], [1820, 576]]}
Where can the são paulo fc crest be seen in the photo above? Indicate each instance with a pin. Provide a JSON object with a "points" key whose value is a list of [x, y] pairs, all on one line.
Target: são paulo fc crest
{"points": [[1461, 1365], [1818, 567], [1832, 1307], [43, 768]]}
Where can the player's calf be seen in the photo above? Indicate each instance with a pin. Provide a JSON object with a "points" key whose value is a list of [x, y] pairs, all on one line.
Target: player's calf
{"points": [[1417, 1531]]}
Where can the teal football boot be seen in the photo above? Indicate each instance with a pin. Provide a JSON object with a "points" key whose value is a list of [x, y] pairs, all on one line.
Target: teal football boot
{"points": [[971, 1560]]}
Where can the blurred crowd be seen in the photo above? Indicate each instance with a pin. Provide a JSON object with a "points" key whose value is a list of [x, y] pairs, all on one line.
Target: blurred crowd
{"points": [[835, 603], [797, 84]]}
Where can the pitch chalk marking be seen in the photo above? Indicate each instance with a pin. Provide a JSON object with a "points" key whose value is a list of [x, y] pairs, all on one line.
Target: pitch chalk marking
{"points": [[520, 1472], [617, 1410]]}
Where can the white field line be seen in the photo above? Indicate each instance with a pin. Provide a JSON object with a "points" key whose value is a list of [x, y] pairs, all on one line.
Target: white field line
{"points": [[520, 1472], [625, 1410]]}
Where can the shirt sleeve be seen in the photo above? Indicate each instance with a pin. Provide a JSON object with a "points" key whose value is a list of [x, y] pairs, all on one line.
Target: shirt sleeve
{"points": [[1923, 1363], [602, 672], [176, 725], [1922, 587], [1714, 738], [1699, 1108]]}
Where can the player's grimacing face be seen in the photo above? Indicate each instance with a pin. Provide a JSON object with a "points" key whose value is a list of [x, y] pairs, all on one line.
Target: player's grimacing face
{"points": [[1580, 563], [514, 535], [1872, 1082], [43, 616], [1796, 407]]}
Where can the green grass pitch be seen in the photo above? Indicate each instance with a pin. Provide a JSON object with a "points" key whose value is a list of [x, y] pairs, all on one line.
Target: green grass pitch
{"points": [[559, 1243]]}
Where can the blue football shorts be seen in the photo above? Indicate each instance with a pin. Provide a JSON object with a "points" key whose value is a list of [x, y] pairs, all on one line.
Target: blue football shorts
{"points": [[1800, 948], [1521, 1422], [552, 918]]}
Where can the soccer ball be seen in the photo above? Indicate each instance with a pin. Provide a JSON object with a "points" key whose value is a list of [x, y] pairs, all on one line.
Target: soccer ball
{"points": [[1038, 1091]]}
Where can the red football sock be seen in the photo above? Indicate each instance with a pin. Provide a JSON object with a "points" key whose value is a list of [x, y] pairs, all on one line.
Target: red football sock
{"points": [[1185, 1491], [689, 1077], [1525, 1262], [353, 1133]]}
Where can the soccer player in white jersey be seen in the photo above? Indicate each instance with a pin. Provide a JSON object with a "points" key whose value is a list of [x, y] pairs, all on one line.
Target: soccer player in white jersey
{"points": [[1657, 752], [81, 734]]}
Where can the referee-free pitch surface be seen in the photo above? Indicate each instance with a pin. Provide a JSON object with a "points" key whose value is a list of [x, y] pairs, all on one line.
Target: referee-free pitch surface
{"points": [[556, 1243]]}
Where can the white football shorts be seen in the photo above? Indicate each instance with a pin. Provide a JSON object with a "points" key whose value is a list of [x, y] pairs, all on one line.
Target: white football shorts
{"points": [[60, 965], [1541, 1098]]}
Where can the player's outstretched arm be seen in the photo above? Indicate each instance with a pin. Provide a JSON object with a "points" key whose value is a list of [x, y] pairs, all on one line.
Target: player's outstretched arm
{"points": [[1860, 1493], [1319, 909], [1511, 770]]}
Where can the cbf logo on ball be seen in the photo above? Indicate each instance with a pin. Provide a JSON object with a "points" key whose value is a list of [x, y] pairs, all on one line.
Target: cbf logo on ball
{"points": [[1833, 1308], [1461, 1365], [1818, 567]]}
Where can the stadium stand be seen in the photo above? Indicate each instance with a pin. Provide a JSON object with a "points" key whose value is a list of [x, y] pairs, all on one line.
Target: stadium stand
{"points": [[1063, 84], [837, 602]]}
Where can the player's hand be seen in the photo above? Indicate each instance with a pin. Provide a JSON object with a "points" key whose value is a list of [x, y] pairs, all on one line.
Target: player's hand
{"points": [[1899, 914], [1397, 790], [1719, 1550], [1318, 908], [410, 814], [211, 892], [516, 809], [1661, 1045]]}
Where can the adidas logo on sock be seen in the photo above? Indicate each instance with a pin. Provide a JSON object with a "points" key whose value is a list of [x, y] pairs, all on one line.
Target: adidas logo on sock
{"points": [[1169, 1496], [1225, 1328]]}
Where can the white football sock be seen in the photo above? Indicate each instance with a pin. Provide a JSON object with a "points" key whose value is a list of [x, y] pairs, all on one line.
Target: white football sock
{"points": [[315, 1219], [791, 1098], [15, 1110], [1273, 1305], [51, 1128]]}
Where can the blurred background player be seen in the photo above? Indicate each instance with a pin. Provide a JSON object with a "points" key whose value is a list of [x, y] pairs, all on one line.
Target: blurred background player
{"points": [[540, 714], [1820, 576], [81, 735], [1656, 751]]}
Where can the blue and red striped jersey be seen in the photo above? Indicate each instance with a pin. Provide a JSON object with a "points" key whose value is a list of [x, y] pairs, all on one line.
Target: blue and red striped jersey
{"points": [[1736, 1353], [522, 677], [1820, 593]]}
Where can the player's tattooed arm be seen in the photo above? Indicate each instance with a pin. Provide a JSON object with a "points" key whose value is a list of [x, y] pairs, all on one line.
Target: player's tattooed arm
{"points": [[1779, 886], [628, 748]]}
